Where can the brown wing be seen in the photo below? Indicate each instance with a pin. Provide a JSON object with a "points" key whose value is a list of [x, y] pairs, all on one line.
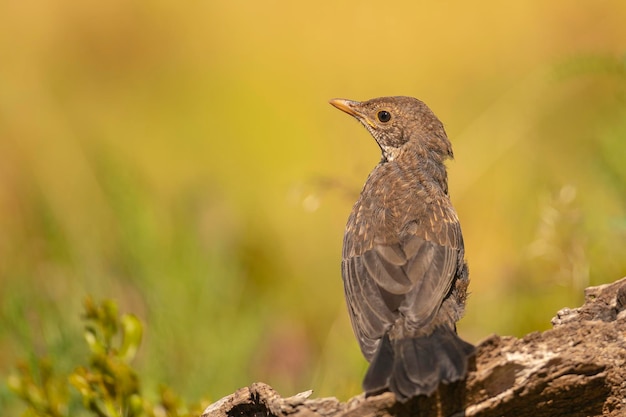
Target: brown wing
{"points": [[409, 278]]}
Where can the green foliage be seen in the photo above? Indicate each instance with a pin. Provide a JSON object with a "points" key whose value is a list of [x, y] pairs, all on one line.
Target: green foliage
{"points": [[44, 392], [108, 386]]}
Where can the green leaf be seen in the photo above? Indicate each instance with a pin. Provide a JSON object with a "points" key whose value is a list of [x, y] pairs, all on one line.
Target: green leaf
{"points": [[131, 337]]}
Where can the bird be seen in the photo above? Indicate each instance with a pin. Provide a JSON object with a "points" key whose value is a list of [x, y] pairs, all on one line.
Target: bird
{"points": [[403, 260]]}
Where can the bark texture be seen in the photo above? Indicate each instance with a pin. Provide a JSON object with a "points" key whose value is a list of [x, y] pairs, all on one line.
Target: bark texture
{"points": [[577, 368]]}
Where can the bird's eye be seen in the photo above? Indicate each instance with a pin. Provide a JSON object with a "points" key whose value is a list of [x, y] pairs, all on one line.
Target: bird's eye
{"points": [[384, 116]]}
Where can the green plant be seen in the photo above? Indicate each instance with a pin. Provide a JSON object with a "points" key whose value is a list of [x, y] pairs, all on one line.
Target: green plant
{"points": [[108, 385]]}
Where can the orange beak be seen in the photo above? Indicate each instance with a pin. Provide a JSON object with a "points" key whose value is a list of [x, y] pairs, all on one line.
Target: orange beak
{"points": [[346, 106], [352, 108]]}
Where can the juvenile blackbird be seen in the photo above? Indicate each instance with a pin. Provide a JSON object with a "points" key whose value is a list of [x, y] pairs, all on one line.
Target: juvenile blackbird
{"points": [[403, 267]]}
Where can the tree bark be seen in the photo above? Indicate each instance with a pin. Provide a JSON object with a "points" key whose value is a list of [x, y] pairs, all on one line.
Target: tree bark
{"points": [[578, 368]]}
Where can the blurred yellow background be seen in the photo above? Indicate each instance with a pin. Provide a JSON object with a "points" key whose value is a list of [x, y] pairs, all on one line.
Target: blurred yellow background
{"points": [[181, 158]]}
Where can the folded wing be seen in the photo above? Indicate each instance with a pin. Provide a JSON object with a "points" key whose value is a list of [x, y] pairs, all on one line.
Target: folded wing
{"points": [[408, 280]]}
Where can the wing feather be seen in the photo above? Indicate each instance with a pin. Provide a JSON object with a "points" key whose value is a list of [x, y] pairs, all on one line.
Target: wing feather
{"points": [[408, 279]]}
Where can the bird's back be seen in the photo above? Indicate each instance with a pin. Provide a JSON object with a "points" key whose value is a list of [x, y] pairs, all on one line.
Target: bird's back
{"points": [[399, 224]]}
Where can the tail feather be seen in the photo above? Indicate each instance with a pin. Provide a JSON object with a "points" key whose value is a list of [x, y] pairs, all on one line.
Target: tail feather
{"points": [[379, 372], [416, 366]]}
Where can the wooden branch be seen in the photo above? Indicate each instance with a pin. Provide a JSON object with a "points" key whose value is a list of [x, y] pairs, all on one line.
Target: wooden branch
{"points": [[578, 368]]}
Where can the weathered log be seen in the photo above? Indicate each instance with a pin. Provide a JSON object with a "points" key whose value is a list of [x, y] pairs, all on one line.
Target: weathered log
{"points": [[577, 368]]}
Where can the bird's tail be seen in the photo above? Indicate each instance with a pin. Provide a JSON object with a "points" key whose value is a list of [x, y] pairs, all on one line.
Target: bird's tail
{"points": [[416, 366]]}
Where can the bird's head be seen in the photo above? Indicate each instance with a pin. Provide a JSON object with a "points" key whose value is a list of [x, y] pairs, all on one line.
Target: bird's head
{"points": [[398, 122]]}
